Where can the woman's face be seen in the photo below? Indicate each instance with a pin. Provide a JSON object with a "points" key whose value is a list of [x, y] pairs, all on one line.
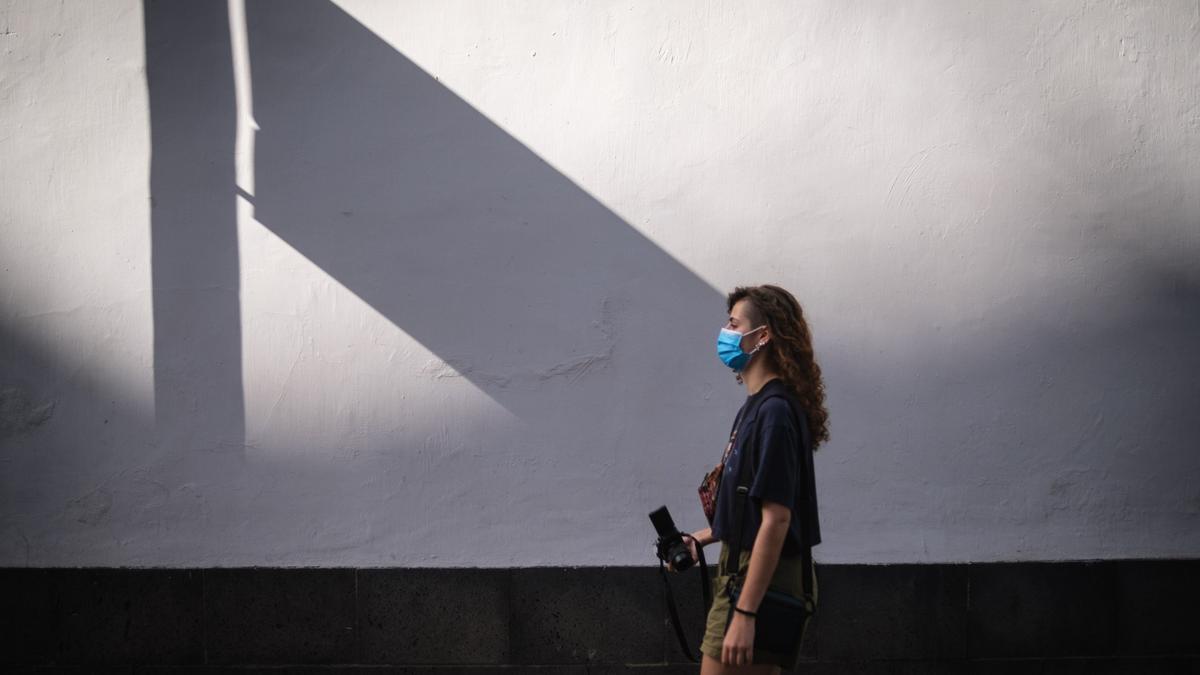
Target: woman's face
{"points": [[739, 322]]}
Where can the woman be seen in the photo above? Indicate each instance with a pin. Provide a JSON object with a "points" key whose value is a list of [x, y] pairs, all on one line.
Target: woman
{"points": [[767, 344]]}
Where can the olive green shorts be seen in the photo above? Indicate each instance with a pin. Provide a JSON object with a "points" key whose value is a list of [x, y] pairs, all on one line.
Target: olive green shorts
{"points": [[787, 578]]}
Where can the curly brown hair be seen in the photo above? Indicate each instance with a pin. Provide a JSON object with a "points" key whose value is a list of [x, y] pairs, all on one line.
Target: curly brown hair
{"points": [[790, 353]]}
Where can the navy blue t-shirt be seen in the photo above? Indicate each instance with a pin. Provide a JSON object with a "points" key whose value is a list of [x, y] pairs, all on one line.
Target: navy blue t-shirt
{"points": [[781, 466]]}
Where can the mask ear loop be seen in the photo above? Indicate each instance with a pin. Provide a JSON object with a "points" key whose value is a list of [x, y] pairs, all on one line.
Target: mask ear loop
{"points": [[759, 345]]}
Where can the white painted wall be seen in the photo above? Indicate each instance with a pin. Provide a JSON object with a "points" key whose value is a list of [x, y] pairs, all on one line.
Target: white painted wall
{"points": [[483, 250]]}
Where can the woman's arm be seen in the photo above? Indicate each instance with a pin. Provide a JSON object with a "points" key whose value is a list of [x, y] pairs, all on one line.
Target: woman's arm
{"points": [[703, 537], [764, 557], [738, 647]]}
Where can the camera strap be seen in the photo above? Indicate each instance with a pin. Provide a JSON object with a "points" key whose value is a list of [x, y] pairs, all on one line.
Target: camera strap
{"points": [[706, 591], [739, 511]]}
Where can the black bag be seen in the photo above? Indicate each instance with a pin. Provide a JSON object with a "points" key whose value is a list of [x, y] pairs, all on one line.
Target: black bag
{"points": [[782, 618], [781, 622]]}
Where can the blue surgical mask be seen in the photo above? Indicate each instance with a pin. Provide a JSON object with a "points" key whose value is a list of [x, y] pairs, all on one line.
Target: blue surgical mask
{"points": [[729, 348]]}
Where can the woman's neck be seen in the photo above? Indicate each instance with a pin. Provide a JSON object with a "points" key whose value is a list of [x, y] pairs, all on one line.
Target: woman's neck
{"points": [[756, 376]]}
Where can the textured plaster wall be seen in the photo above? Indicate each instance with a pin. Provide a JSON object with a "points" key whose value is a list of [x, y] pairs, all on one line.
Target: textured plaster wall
{"points": [[437, 284]]}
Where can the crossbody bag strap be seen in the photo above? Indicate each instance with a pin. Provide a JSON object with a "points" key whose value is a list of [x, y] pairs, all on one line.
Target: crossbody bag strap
{"points": [[741, 496], [806, 561]]}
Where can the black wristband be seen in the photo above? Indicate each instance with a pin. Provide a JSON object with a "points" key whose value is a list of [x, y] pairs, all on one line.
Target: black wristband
{"points": [[739, 610]]}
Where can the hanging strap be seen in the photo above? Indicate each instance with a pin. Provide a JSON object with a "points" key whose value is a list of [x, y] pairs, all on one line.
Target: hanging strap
{"points": [[739, 510], [706, 592]]}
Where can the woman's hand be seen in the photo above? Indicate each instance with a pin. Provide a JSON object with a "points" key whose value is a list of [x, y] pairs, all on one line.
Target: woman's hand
{"points": [[738, 648], [699, 538], [691, 544]]}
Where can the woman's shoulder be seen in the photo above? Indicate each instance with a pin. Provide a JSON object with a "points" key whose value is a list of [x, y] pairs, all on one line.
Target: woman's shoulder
{"points": [[778, 396], [777, 405], [777, 409], [782, 408]]}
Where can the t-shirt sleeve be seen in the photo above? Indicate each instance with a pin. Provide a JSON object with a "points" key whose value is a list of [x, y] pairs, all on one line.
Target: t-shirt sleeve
{"points": [[777, 473]]}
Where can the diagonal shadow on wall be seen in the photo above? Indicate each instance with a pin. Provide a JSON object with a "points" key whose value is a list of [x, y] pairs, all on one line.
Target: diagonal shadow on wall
{"points": [[446, 224]]}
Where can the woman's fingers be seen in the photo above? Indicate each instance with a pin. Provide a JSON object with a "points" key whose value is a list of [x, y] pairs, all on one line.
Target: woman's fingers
{"points": [[738, 647], [732, 656], [692, 547]]}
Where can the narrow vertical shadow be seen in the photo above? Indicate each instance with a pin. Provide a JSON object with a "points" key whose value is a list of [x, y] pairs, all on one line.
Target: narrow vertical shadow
{"points": [[197, 328]]}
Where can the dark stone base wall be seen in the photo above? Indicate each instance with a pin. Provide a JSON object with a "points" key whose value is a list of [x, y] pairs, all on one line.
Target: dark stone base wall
{"points": [[1067, 617]]}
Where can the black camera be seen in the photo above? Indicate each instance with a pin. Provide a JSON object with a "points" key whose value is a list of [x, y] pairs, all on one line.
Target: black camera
{"points": [[670, 545]]}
